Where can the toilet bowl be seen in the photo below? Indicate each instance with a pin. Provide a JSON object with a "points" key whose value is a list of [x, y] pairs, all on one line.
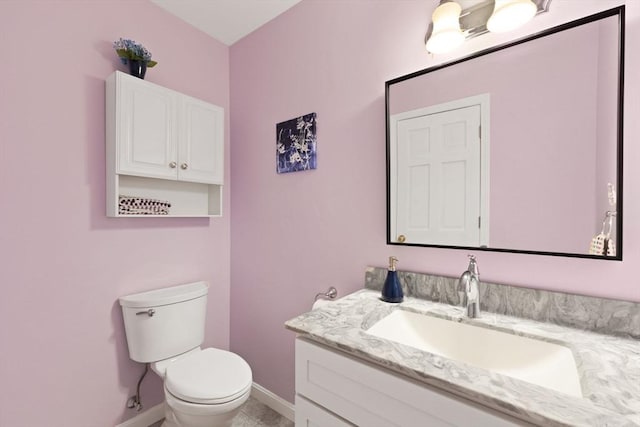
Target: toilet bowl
{"points": [[204, 388], [165, 328], [179, 413]]}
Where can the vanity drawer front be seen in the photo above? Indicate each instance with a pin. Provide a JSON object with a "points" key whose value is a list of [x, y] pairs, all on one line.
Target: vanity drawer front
{"points": [[310, 415], [366, 395]]}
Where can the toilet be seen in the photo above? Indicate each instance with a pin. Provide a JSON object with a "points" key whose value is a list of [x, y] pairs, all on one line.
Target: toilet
{"points": [[165, 328]]}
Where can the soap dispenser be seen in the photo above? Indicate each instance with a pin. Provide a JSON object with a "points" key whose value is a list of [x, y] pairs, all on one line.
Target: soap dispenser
{"points": [[392, 291]]}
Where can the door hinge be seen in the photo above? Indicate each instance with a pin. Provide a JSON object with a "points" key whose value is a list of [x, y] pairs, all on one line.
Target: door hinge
{"points": [[480, 132], [479, 222]]}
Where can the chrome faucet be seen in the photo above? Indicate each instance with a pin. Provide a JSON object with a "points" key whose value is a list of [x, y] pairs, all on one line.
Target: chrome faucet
{"points": [[468, 288]]}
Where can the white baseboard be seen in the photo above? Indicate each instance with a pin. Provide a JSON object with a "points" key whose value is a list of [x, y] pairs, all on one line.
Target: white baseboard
{"points": [[146, 418], [261, 394], [273, 401]]}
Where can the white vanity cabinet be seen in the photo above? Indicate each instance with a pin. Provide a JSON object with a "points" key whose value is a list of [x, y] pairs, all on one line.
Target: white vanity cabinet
{"points": [[337, 390], [163, 145]]}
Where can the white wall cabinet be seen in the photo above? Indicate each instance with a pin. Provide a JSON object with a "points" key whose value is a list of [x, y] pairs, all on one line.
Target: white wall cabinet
{"points": [[338, 390], [163, 145]]}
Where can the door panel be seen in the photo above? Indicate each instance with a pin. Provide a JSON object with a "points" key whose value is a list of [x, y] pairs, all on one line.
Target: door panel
{"points": [[454, 196], [201, 142], [419, 197], [148, 132]]}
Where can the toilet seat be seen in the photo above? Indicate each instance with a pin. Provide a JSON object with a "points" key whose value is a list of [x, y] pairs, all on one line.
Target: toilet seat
{"points": [[209, 377]]}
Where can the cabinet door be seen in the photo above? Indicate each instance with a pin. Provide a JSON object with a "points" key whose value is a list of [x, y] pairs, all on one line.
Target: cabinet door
{"points": [[147, 129], [201, 145]]}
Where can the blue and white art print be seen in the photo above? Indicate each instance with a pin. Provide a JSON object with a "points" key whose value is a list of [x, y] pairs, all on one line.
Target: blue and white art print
{"points": [[296, 144]]}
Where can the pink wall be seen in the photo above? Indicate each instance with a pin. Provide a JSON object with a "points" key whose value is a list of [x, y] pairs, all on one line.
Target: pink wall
{"points": [[63, 264], [296, 234]]}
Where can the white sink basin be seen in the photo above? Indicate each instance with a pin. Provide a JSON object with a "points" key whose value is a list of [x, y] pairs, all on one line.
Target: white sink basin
{"points": [[539, 362]]}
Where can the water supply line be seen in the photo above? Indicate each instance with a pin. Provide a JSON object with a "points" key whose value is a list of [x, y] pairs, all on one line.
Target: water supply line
{"points": [[136, 401]]}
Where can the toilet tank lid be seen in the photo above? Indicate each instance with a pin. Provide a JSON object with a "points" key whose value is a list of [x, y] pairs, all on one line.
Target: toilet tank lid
{"points": [[165, 296]]}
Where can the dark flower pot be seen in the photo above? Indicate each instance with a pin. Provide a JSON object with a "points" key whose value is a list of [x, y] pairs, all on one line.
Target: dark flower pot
{"points": [[137, 68]]}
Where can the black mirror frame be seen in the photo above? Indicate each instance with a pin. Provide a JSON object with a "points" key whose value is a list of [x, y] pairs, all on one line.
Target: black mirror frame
{"points": [[617, 11]]}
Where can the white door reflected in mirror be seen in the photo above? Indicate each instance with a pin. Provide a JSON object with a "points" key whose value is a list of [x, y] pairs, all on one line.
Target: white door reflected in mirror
{"points": [[441, 194]]}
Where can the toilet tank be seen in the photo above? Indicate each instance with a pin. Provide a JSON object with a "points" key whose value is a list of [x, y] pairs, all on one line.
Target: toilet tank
{"points": [[165, 322]]}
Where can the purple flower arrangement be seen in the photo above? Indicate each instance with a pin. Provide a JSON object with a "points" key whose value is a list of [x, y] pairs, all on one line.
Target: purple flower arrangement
{"points": [[129, 50]]}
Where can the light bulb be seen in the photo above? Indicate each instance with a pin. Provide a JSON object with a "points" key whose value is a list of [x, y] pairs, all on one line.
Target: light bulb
{"points": [[446, 34], [510, 14]]}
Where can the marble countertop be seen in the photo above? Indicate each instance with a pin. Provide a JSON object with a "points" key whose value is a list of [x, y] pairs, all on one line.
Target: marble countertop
{"points": [[609, 366]]}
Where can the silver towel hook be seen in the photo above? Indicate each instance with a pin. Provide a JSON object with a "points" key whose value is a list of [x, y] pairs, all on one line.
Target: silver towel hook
{"points": [[331, 293]]}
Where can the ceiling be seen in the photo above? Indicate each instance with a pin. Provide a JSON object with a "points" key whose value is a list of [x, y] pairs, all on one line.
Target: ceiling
{"points": [[230, 20], [226, 20]]}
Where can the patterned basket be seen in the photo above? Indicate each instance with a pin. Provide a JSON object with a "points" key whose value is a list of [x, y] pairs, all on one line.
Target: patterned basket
{"points": [[130, 205]]}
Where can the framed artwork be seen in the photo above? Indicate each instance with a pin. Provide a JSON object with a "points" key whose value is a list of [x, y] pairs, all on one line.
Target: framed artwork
{"points": [[296, 144]]}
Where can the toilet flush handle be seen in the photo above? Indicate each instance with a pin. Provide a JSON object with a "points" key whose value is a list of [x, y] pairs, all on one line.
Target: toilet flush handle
{"points": [[149, 312]]}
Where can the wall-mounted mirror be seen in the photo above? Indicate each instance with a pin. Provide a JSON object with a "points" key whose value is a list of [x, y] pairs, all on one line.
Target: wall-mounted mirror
{"points": [[517, 148]]}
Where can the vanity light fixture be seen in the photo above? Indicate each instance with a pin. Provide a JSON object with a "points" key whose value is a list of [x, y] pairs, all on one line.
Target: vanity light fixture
{"points": [[451, 24]]}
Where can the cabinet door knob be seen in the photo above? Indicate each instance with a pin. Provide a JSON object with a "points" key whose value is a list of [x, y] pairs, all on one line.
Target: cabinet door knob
{"points": [[173, 165], [184, 166], [402, 238]]}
